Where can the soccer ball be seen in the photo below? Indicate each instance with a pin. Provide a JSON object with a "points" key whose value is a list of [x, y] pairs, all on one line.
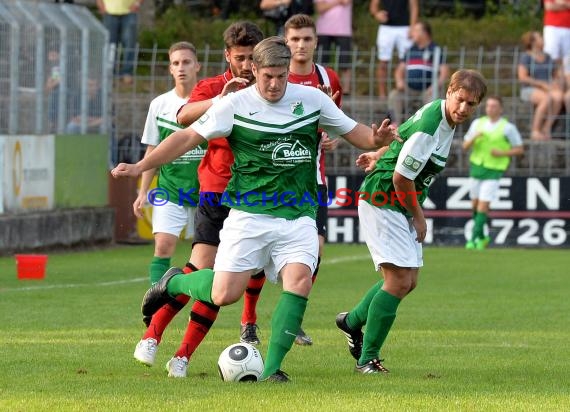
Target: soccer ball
{"points": [[240, 362]]}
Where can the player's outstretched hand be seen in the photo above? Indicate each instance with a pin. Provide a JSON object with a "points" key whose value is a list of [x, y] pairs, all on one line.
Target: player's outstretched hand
{"points": [[327, 143], [126, 170], [367, 161], [328, 91], [385, 134], [233, 85]]}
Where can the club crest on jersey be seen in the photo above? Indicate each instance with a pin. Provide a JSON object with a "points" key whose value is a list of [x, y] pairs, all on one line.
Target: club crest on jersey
{"points": [[412, 164], [289, 154], [297, 108]]}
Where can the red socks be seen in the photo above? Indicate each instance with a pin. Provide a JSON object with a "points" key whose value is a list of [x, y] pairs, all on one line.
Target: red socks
{"points": [[202, 318], [251, 297], [164, 316]]}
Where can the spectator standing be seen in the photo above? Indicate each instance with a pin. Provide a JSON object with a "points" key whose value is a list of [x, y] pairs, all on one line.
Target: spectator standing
{"points": [[120, 17], [278, 11], [415, 74], [334, 28], [539, 85], [395, 18], [556, 29]]}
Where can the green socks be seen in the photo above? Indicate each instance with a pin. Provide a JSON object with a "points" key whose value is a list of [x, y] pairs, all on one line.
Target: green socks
{"points": [[381, 316], [197, 285], [158, 266], [478, 229], [285, 323], [357, 317]]}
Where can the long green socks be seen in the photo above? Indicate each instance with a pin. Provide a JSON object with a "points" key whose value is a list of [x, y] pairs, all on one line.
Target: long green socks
{"points": [[478, 229], [158, 266], [357, 317], [285, 323], [381, 315], [197, 285]]}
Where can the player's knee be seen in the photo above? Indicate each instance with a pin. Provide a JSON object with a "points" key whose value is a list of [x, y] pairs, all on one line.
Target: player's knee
{"points": [[225, 297], [301, 286]]}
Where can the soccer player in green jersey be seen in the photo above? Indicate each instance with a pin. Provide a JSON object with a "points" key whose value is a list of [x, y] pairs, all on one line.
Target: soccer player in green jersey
{"points": [[391, 215], [271, 128], [171, 214], [492, 140]]}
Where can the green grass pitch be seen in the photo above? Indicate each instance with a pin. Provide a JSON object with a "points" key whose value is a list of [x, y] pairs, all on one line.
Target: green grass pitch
{"points": [[483, 331]]}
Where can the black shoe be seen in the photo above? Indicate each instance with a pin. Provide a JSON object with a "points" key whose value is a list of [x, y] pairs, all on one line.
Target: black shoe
{"points": [[157, 296], [303, 339], [373, 366], [353, 336], [248, 334], [278, 377]]}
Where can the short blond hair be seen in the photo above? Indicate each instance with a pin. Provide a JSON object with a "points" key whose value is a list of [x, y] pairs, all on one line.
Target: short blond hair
{"points": [[182, 45], [469, 80]]}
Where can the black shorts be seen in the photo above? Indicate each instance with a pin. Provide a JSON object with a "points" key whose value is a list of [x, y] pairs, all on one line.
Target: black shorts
{"points": [[344, 44], [322, 211], [209, 220]]}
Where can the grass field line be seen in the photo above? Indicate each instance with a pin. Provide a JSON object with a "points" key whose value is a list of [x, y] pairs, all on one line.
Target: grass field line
{"points": [[331, 261]]}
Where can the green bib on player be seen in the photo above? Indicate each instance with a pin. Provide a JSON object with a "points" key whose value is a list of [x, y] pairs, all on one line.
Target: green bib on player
{"points": [[483, 164]]}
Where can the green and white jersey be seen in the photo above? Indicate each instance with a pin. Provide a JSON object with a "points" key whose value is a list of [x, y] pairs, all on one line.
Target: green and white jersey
{"points": [[274, 146], [426, 143], [182, 173]]}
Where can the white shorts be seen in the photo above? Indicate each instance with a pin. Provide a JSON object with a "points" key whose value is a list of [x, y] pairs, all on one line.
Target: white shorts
{"points": [[172, 218], [254, 241], [556, 41], [485, 190], [390, 37], [390, 237]]}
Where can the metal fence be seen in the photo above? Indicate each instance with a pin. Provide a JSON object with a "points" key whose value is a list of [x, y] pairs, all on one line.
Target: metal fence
{"points": [[54, 69], [498, 65]]}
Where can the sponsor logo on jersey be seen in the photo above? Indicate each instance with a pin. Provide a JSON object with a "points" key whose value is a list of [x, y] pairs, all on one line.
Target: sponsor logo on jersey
{"points": [[297, 108], [192, 155], [289, 154]]}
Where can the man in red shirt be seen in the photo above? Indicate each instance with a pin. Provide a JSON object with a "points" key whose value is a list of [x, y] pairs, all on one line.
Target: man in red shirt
{"points": [[213, 174], [556, 30], [301, 36]]}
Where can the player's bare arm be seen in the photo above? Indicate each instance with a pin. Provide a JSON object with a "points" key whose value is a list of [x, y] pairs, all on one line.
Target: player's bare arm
{"points": [[146, 180], [170, 149], [373, 137], [468, 143], [192, 111], [513, 151], [410, 202]]}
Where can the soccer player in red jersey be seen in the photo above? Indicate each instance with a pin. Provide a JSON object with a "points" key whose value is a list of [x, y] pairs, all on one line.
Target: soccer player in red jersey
{"points": [[213, 174], [301, 36]]}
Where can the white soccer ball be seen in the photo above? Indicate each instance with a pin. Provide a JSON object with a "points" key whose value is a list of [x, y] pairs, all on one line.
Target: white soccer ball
{"points": [[240, 362]]}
